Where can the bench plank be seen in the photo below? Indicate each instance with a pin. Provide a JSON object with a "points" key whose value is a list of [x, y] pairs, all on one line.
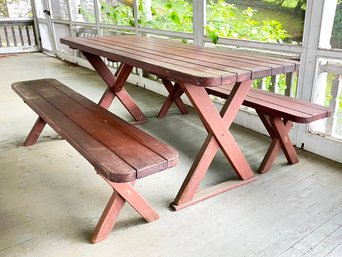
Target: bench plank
{"points": [[103, 129], [140, 136], [138, 156], [90, 148], [296, 110]]}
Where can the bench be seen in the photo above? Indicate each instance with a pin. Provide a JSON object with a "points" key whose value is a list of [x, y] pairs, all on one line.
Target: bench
{"points": [[277, 113], [119, 152]]}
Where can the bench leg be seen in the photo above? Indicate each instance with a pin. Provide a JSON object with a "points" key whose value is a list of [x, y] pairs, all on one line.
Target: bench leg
{"points": [[281, 133], [108, 218], [122, 192], [278, 131], [219, 136], [175, 93], [35, 132]]}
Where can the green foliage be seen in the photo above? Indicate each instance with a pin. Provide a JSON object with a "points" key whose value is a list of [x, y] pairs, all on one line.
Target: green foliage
{"points": [[295, 4], [174, 15], [225, 20], [336, 37], [119, 14], [3, 8]]}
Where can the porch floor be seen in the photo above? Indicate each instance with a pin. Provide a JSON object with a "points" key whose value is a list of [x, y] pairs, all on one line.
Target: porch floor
{"points": [[51, 198]]}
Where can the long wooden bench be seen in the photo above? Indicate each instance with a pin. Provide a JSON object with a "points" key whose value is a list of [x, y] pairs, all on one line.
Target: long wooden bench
{"points": [[119, 152], [276, 112]]}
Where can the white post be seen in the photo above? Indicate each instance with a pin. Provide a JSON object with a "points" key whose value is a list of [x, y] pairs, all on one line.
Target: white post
{"points": [[319, 94], [147, 9], [328, 17], [199, 20], [334, 105]]}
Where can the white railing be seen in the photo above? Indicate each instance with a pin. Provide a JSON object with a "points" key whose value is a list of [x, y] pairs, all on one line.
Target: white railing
{"points": [[329, 85], [18, 35]]}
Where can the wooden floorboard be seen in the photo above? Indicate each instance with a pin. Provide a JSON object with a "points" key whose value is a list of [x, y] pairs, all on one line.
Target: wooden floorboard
{"points": [[51, 198]]}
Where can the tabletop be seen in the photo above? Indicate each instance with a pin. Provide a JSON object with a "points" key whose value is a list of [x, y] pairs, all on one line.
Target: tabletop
{"points": [[176, 61]]}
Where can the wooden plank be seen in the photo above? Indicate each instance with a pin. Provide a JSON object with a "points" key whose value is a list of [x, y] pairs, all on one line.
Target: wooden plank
{"points": [[321, 241], [296, 110], [256, 93], [147, 140], [199, 58], [229, 59], [156, 56], [142, 159], [244, 70], [289, 64], [103, 160], [159, 68]]}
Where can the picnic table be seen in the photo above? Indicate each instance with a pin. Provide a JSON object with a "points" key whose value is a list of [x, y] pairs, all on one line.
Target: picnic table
{"points": [[191, 70]]}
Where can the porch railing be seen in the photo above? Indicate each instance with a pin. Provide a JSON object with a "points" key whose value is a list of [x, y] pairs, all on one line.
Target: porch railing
{"points": [[18, 35], [329, 92]]}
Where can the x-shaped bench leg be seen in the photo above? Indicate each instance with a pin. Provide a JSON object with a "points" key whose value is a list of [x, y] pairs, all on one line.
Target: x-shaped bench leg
{"points": [[278, 130], [122, 192], [219, 136], [175, 92], [115, 85], [35, 132]]}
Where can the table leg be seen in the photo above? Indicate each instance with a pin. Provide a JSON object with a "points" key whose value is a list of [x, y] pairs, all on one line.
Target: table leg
{"points": [[115, 85], [175, 92], [219, 137]]}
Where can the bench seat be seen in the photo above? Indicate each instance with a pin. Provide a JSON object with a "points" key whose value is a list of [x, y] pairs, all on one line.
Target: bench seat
{"points": [[119, 152], [272, 104]]}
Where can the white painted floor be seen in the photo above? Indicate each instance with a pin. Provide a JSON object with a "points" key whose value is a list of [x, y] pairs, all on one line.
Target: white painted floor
{"points": [[51, 198]]}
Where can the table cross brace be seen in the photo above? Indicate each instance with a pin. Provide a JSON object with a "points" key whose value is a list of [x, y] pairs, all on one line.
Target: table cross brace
{"points": [[217, 125], [175, 92], [115, 85]]}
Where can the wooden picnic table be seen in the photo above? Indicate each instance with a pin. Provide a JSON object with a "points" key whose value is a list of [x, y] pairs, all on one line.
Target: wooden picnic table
{"points": [[190, 69]]}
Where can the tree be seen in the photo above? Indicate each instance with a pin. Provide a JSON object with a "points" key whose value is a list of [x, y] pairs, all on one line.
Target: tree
{"points": [[3, 9], [300, 4]]}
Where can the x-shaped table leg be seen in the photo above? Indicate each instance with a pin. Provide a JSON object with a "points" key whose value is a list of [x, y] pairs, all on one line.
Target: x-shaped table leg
{"points": [[115, 85], [122, 192], [219, 136], [278, 131], [175, 91]]}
